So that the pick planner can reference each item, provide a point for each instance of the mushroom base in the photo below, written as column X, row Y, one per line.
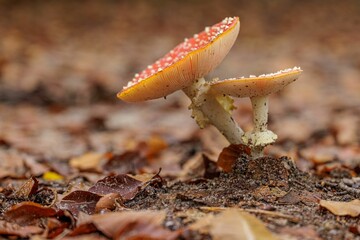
column 259, row 139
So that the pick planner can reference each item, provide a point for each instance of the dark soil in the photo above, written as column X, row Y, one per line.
column 271, row 184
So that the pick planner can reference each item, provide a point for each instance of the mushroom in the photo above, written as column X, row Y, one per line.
column 184, row 68
column 257, row 89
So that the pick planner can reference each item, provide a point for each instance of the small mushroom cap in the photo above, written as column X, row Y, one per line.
column 254, row 86
column 190, row 60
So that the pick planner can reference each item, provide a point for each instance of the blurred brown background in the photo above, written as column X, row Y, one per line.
column 76, row 53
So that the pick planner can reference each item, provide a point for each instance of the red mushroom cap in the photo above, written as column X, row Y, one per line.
column 190, row 60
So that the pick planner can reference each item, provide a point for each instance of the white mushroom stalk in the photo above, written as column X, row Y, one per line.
column 257, row 89
column 207, row 110
column 260, row 137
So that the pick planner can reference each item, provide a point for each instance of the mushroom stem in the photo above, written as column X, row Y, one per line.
column 260, row 136
column 260, row 113
column 207, row 109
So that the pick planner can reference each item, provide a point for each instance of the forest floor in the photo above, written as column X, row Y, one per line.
column 75, row 163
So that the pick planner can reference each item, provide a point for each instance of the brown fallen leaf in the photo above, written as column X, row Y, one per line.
column 88, row 162
column 34, row 166
column 351, row 208
column 320, row 154
column 26, row 213
column 27, row 189
column 11, row 164
column 233, row 224
column 230, row 154
column 107, row 202
column 79, row 200
column 122, row 184
column 132, row 225
column 54, row 227
column 346, row 127
column 13, row 229
column 127, row 162
column 294, row 197
column 94, row 236
column 152, row 146
column 193, row 167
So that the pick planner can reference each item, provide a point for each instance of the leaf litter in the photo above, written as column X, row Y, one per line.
column 49, row 128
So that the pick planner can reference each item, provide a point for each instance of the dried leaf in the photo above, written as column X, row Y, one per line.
column 87, row 162
column 13, row 229
column 234, row 224
column 27, row 189
column 54, row 227
column 153, row 146
column 351, row 208
column 230, row 154
column 128, row 162
column 193, row 167
column 269, row 194
column 122, row 184
column 35, row 167
column 11, row 164
column 107, row 202
column 294, row 197
column 26, row 212
column 133, row 225
column 79, row 201
column 320, row 154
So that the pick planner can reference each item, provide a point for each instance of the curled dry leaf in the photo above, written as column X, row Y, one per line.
column 107, row 202
column 351, row 208
column 27, row 189
column 122, row 184
column 26, row 213
column 133, row 225
column 77, row 201
column 229, row 155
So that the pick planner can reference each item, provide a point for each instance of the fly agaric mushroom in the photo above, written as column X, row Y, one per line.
column 184, row 68
column 257, row 89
